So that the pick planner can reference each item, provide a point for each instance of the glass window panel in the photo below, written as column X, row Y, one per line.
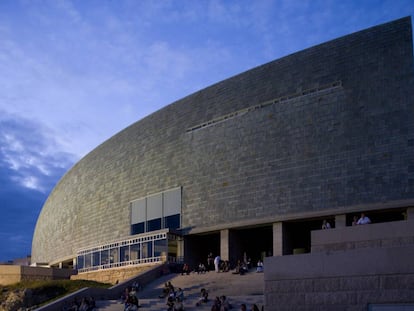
column 124, row 253
column 81, row 262
column 154, row 206
column 138, row 211
column 88, row 260
column 113, row 255
column 104, row 257
column 95, row 259
column 160, row 248
column 172, row 222
column 135, row 251
column 138, row 228
column 154, row 224
column 172, row 202
column 147, row 250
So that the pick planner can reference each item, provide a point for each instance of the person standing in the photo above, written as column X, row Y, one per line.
column 326, row 224
column 217, row 263
column 363, row 220
column 210, row 262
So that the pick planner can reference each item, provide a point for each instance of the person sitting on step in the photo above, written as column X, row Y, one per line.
column 203, row 297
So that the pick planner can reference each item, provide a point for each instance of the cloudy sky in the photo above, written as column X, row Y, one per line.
column 74, row 73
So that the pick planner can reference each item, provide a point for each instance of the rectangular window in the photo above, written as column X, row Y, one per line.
column 154, row 224
column 81, row 262
column 172, row 222
column 104, row 257
column 135, row 252
column 88, row 260
column 138, row 211
column 147, row 250
column 113, row 255
column 156, row 211
column 154, row 206
column 172, row 202
column 138, row 228
column 96, row 259
column 124, row 256
column 160, row 248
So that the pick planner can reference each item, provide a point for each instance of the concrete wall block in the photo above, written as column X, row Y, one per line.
column 385, row 296
column 327, row 284
column 368, row 244
column 287, row 286
column 388, row 282
column 360, row 283
column 284, row 299
column 326, row 298
column 390, row 234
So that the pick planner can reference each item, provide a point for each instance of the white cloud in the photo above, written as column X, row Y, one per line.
column 33, row 160
column 31, row 182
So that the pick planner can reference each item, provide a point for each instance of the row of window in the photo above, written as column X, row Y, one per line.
column 171, row 222
column 129, row 254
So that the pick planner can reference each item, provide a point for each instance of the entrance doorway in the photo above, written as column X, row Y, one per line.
column 252, row 243
column 297, row 235
column 198, row 246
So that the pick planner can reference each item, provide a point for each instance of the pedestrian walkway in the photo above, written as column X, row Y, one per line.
column 247, row 289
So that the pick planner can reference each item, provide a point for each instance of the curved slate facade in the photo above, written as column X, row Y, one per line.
column 326, row 129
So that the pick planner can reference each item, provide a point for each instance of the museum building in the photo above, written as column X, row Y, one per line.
column 250, row 166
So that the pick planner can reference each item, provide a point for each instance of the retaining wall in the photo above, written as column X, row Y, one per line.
column 10, row 274
column 389, row 234
column 341, row 280
column 112, row 276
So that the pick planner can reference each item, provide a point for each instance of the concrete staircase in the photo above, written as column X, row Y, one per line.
column 247, row 289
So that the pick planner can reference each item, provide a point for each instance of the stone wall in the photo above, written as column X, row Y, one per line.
column 113, row 275
column 10, row 274
column 340, row 280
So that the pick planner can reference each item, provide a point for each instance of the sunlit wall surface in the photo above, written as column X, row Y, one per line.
column 324, row 130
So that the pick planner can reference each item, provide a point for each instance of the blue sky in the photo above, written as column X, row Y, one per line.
column 74, row 73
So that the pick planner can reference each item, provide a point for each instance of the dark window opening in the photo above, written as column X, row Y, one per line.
column 153, row 224
column 138, row 228
column 380, row 216
column 172, row 222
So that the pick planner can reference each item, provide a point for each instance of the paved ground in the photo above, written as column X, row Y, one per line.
column 239, row 289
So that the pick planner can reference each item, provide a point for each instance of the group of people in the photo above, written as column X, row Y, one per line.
column 362, row 220
column 174, row 298
column 254, row 308
column 86, row 304
column 201, row 268
column 241, row 267
column 221, row 304
column 130, row 298
column 174, row 304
